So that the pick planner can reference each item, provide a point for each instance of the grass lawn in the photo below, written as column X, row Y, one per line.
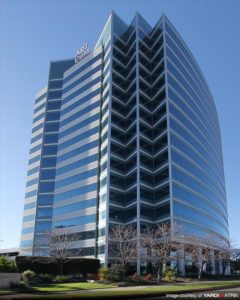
column 146, row 291
column 59, row 287
column 5, row 292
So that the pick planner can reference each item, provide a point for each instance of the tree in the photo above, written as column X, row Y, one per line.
column 7, row 265
column 57, row 246
column 202, row 250
column 159, row 240
column 123, row 245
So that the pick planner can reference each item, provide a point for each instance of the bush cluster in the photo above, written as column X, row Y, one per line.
column 50, row 266
column 7, row 265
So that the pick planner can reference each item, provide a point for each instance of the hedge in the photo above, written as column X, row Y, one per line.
column 49, row 265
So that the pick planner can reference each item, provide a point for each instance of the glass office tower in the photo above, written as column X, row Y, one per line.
column 138, row 142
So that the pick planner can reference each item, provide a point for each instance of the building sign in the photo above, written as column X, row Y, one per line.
column 82, row 52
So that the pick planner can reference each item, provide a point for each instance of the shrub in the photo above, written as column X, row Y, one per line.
column 21, row 285
column 43, row 278
column 7, row 265
column 94, row 277
column 28, row 276
column 135, row 277
column 65, row 278
column 148, row 277
column 49, row 265
column 169, row 274
column 124, row 284
column 103, row 273
column 116, row 273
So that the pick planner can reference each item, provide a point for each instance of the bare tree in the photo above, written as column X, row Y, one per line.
column 57, row 246
column 159, row 241
column 123, row 244
column 201, row 250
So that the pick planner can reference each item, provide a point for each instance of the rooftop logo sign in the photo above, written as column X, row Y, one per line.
column 82, row 52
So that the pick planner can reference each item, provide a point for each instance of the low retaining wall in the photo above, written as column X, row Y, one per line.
column 7, row 278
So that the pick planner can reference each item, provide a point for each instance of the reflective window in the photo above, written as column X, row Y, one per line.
column 74, row 207
column 40, row 98
column 79, row 125
column 54, row 95
column 78, row 138
column 82, row 68
column 46, row 187
column 81, row 90
column 51, row 139
column 32, row 171
column 31, row 194
column 48, row 162
column 80, row 113
column 35, row 148
column 39, row 107
column 38, row 117
column 78, row 151
column 80, row 101
column 76, row 178
column 29, row 205
column 76, row 192
column 53, row 116
column 32, row 182
column 26, row 243
column 52, row 105
column 50, row 150
column 28, row 218
column 36, row 128
column 42, row 227
column 34, row 159
column 47, row 174
column 82, row 78
column 77, row 164
column 45, row 200
column 37, row 137
column 27, row 230
column 55, row 84
column 75, row 221
column 44, row 213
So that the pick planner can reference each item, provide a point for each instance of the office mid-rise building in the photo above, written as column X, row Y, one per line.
column 125, row 134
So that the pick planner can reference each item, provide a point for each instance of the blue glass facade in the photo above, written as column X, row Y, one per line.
column 38, row 208
column 128, row 135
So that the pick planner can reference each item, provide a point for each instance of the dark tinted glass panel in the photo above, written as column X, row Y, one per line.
column 56, row 84
column 44, row 212
column 46, row 187
column 43, row 227
column 50, row 150
column 57, row 68
column 48, row 162
column 89, row 63
column 52, row 127
column 47, row 174
column 54, row 95
column 53, row 116
column 45, row 199
column 50, row 138
column 52, row 105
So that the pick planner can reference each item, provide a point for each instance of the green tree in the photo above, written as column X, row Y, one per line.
column 7, row 265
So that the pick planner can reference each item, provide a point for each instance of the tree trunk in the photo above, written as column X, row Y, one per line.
column 61, row 268
column 159, row 272
column 200, row 273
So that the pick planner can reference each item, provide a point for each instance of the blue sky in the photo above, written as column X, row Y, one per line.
column 35, row 32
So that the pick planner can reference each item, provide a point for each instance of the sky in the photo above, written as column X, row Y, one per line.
column 35, row 32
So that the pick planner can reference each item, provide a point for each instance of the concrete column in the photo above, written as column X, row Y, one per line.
column 181, row 260
column 220, row 265
column 199, row 258
column 212, row 263
column 228, row 269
